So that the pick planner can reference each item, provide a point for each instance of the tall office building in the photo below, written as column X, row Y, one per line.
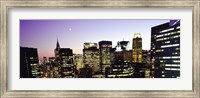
column 91, row 56
column 165, row 49
column 29, row 63
column 137, row 48
column 64, row 59
column 105, row 54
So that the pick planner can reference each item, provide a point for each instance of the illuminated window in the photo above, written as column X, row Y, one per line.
column 166, row 57
column 176, row 61
column 167, row 42
column 177, row 48
column 161, row 50
column 167, row 30
column 173, row 45
column 176, row 36
column 175, row 57
column 167, row 68
column 160, row 35
column 31, row 58
column 159, row 39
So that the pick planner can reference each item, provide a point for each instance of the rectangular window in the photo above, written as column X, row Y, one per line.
column 167, row 30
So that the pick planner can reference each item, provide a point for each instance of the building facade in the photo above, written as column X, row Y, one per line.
column 105, row 48
column 64, row 62
column 29, row 63
column 137, row 48
column 121, row 66
column 165, row 49
column 91, row 57
column 78, row 61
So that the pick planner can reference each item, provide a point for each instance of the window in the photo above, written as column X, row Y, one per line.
column 167, row 30
column 173, row 45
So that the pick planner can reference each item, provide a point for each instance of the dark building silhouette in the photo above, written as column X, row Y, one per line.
column 29, row 63
column 105, row 54
column 121, row 66
column 165, row 49
column 64, row 58
column 86, row 72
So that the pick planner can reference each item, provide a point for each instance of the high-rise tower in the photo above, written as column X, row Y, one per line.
column 137, row 48
column 64, row 59
column 29, row 63
column 165, row 49
column 105, row 52
column 91, row 56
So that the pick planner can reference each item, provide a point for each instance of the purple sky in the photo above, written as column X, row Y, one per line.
column 42, row 34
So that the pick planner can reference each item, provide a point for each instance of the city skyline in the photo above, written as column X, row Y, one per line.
column 106, row 56
column 43, row 34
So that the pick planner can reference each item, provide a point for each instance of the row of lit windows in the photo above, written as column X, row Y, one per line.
column 172, row 68
column 34, row 64
column 171, row 33
column 169, row 57
column 173, row 45
column 166, row 38
column 116, row 69
column 170, row 29
column 173, row 65
column 161, row 50
column 175, row 61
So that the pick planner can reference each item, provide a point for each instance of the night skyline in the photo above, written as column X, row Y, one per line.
column 43, row 34
column 87, row 50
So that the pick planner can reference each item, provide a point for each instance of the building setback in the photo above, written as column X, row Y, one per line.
column 29, row 63
column 165, row 49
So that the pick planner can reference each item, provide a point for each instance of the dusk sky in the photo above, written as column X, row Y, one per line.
column 43, row 34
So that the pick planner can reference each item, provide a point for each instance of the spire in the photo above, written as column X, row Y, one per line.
column 57, row 45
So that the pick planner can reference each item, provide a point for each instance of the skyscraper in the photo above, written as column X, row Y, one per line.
column 137, row 48
column 29, row 63
column 91, row 56
column 105, row 54
column 165, row 49
column 64, row 60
